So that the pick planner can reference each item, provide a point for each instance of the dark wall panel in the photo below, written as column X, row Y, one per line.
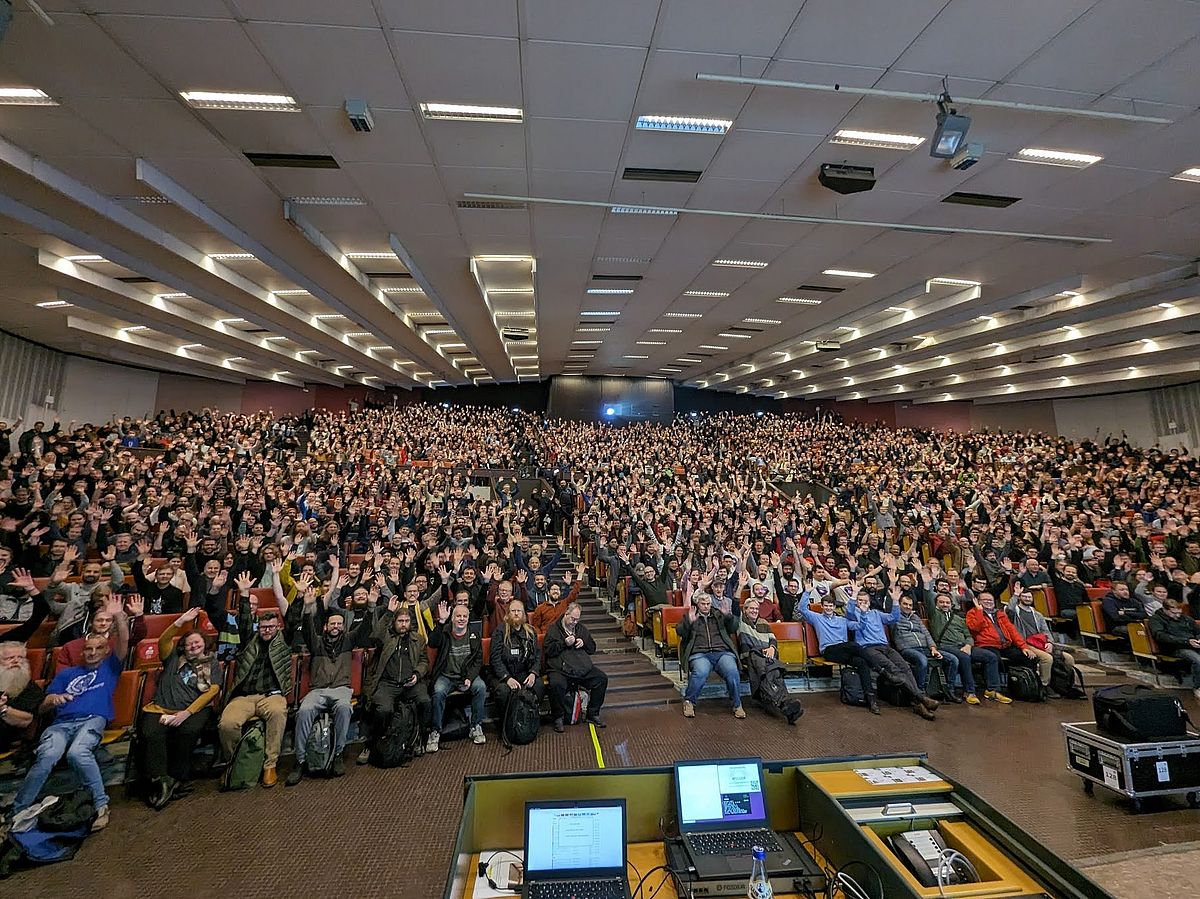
column 630, row 399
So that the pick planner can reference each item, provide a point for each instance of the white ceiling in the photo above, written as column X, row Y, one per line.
column 583, row 73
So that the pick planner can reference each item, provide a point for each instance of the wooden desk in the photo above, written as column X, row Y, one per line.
column 845, row 784
column 645, row 857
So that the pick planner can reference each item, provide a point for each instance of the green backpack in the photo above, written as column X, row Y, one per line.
column 245, row 768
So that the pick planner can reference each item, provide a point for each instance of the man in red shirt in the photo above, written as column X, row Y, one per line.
column 992, row 631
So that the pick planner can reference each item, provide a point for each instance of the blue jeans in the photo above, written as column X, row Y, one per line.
column 444, row 686
column 961, row 662
column 327, row 699
column 77, row 738
column 918, row 660
column 701, row 664
column 1192, row 657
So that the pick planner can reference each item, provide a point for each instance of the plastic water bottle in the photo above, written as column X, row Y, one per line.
column 759, row 886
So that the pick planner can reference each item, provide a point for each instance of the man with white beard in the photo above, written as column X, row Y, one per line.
column 19, row 695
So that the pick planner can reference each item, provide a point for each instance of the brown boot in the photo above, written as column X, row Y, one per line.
column 269, row 779
column 919, row 709
column 929, row 703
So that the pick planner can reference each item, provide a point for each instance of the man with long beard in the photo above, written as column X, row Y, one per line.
column 19, row 695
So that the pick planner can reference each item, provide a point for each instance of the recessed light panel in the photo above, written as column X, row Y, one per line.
column 465, row 112
column 1043, row 156
column 685, row 124
column 240, row 101
column 25, row 96
column 879, row 139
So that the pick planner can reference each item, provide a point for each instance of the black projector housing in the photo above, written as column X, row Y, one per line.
column 846, row 179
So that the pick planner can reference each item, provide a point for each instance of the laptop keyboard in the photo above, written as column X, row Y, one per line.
column 732, row 841
column 576, row 889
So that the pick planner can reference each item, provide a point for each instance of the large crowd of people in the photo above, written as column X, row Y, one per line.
column 330, row 533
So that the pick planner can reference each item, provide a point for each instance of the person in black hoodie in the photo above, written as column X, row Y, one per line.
column 456, row 669
column 569, row 649
column 516, row 658
column 161, row 596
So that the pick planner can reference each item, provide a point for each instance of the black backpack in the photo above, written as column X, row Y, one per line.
column 401, row 740
column 1023, row 684
column 522, row 718
column 318, row 752
column 851, row 691
column 1063, row 680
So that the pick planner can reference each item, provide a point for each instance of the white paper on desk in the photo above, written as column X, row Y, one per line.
column 482, row 889
column 913, row 774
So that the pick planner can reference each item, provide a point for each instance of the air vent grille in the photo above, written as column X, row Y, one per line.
column 687, row 176
column 293, row 160
column 491, row 204
column 993, row 201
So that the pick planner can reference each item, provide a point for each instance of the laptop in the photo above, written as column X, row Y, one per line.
column 575, row 849
column 722, row 812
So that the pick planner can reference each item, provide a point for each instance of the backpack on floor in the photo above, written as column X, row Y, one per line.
column 401, row 740
column 1023, row 684
column 456, row 723
column 577, row 704
column 318, row 752
column 522, row 718
column 1063, row 680
column 851, row 690
column 246, row 766
column 771, row 690
column 935, row 685
column 893, row 692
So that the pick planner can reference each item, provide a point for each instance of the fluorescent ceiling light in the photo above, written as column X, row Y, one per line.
column 465, row 112
column 600, row 314
column 358, row 334
column 712, row 346
column 847, row 273
column 228, row 256
column 503, row 258
column 439, row 331
column 424, row 315
column 635, row 357
column 54, row 304
column 273, row 337
column 592, row 330
column 1056, row 157
column 584, row 342
column 169, row 296
column 952, row 282
column 610, row 291
column 672, row 371
column 740, row 263
column 686, row 124
column 523, row 358
column 644, row 210
column 289, row 293
column 370, row 255
column 1192, row 175
column 452, row 346
column 799, row 301
column 516, row 314
column 650, row 342
column 135, row 328
column 86, row 258
column 683, row 315
column 247, row 102
column 307, row 352
column 25, row 96
column 879, row 139
column 762, row 321
column 192, row 346
column 664, row 331
column 705, row 293
column 327, row 201
column 240, row 359
column 688, row 359
column 404, row 290
column 735, row 336
column 326, row 316
column 231, row 321
column 625, row 260
column 502, row 291
column 378, row 349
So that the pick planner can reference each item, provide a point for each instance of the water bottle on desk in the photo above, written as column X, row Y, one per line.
column 759, row 886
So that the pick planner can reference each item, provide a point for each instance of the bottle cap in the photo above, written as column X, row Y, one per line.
column 759, row 853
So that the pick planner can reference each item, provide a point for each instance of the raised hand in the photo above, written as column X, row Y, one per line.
column 244, row 581
column 135, row 605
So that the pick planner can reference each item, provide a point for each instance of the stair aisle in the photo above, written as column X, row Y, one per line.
column 633, row 679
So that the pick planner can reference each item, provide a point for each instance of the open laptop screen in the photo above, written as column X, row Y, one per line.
column 584, row 838
column 721, row 794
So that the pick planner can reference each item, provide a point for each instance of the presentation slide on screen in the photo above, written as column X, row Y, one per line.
column 726, row 793
column 565, row 839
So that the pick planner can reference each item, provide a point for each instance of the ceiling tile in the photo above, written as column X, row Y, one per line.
column 625, row 22
column 314, row 12
column 875, row 33
column 491, row 17
column 601, row 84
column 575, row 143
column 714, row 26
column 447, row 68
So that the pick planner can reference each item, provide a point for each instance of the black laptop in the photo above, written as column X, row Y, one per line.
column 722, row 812
column 575, row 849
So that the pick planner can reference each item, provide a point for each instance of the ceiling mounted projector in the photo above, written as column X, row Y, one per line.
column 951, row 130
column 846, row 179
column 359, row 114
column 967, row 156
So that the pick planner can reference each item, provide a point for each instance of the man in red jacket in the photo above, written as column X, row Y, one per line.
column 992, row 631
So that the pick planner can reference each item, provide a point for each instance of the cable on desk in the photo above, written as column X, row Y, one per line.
column 847, row 883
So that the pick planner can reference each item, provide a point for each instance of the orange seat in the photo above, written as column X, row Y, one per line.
column 125, row 705
column 156, row 624
column 1045, row 602
column 37, row 661
column 1096, row 592
column 793, row 645
column 1092, row 625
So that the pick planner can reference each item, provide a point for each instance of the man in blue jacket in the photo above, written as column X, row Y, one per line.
column 872, row 640
column 82, row 698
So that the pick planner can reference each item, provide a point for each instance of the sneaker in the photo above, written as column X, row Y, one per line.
column 558, row 726
column 997, row 696
column 477, row 736
column 363, row 757
column 873, row 705
column 27, row 817
column 972, row 699
column 101, row 821
column 689, row 710
column 595, row 721
column 739, row 712
column 431, row 744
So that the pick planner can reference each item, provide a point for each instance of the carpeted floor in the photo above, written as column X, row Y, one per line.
column 389, row 833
